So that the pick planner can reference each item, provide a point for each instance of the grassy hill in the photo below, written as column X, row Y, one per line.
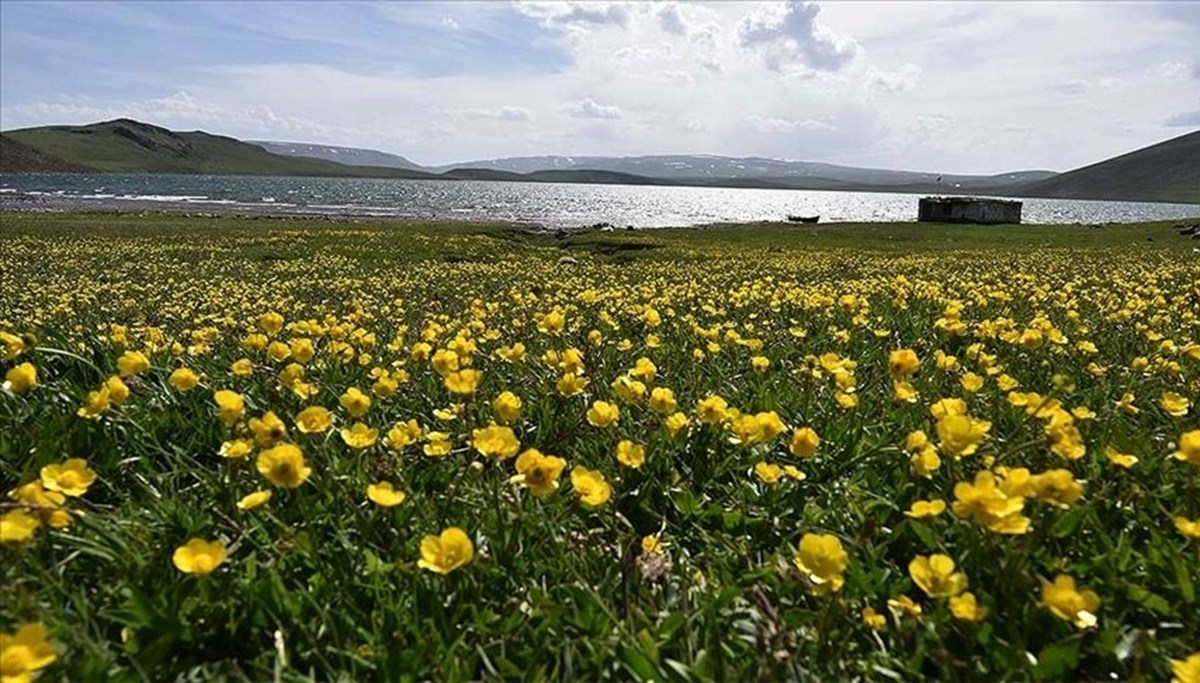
column 1166, row 172
column 16, row 157
column 126, row 146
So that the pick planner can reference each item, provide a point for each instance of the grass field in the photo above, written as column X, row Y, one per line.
column 289, row 449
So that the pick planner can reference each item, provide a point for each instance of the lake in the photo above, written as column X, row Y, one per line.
column 549, row 204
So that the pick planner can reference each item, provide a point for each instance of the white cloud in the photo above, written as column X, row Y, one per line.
column 790, row 34
column 903, row 79
column 590, row 109
column 505, row 113
column 450, row 23
column 575, row 15
column 1189, row 119
column 670, row 18
column 771, row 124
column 1075, row 86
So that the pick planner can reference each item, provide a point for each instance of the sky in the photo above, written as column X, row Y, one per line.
column 952, row 87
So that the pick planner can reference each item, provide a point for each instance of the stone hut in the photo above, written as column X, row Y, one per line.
column 968, row 210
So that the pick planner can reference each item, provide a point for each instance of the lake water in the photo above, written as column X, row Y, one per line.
column 550, row 204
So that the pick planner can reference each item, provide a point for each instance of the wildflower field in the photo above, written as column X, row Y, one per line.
column 286, row 449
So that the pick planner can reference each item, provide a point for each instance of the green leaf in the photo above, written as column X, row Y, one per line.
column 1069, row 521
column 638, row 664
column 1057, row 660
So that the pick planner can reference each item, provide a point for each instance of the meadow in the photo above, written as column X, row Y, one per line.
column 296, row 449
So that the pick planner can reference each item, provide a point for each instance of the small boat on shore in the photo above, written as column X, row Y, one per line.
column 803, row 219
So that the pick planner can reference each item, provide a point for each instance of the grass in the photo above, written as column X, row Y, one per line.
column 322, row 583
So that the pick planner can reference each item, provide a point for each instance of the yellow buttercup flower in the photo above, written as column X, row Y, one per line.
column 662, row 401
column 823, row 561
column 961, row 435
column 359, row 436
column 926, row 509
column 314, row 420
column 238, row 448
column 1187, row 527
column 21, row 378
column 965, row 607
column 603, row 414
column 18, row 526
column 384, row 495
column 768, row 473
column 903, row 362
column 446, row 552
column 199, row 557
column 1119, row 459
column 230, row 406
column 712, row 410
column 118, row 391
column 1070, row 604
column 1186, row 670
column 936, row 576
column 254, row 500
column 267, row 429
column 355, row 402
column 590, row 486
column 132, row 363
column 437, row 444
column 463, row 382
column 630, row 454
column 873, row 620
column 71, row 478
column 184, row 380
column 496, row 442
column 1174, row 404
column 1189, row 447
column 283, row 466
column 507, row 407
column 804, row 443
column 538, row 472
column 25, row 652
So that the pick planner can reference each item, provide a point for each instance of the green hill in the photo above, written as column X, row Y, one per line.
column 127, row 146
column 1166, row 172
column 16, row 157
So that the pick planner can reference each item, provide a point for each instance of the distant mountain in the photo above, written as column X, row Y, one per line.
column 699, row 169
column 127, row 146
column 351, row 156
column 1166, row 172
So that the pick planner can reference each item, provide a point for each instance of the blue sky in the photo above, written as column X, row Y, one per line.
column 961, row 87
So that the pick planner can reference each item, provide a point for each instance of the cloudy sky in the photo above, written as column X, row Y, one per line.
column 954, row 87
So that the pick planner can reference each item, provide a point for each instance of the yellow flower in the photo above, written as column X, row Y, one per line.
column 24, row 652
column 712, row 409
column 662, row 401
column 1189, row 447
column 132, row 363
column 12, row 344
column 1126, row 405
column 71, row 478
column 903, row 362
column 359, row 436
column 1188, row 528
column 283, row 466
column 571, row 384
column 463, row 382
column 538, row 472
column 402, row 434
column 117, row 390
column 675, row 423
column 1174, row 404
column 17, row 526
column 552, row 322
column 603, row 414
column 238, row 448
column 905, row 605
column 653, row 545
column 495, row 442
column 644, row 369
column 987, row 505
column 792, row 472
column 966, row 608
column 507, row 407
column 1056, row 487
column 768, row 473
column 278, row 351
column 905, row 392
column 630, row 454
column 267, row 429
column 446, row 552
column 48, row 504
column 1065, row 602
column 271, row 322
column 926, row 509
column 760, row 363
column 355, row 402
column 314, row 420
column 845, row 401
column 1118, row 458
column 199, row 556
column 437, row 444
column 383, row 495
column 821, row 558
column 1186, row 670
column 590, row 486
column 230, row 406
column 804, row 443
column 95, row 404
column 960, row 435
column 184, row 380
column 21, row 378
column 948, row 406
column 873, row 620
column 971, row 382
column 936, row 576
column 253, row 500
column 750, row 430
